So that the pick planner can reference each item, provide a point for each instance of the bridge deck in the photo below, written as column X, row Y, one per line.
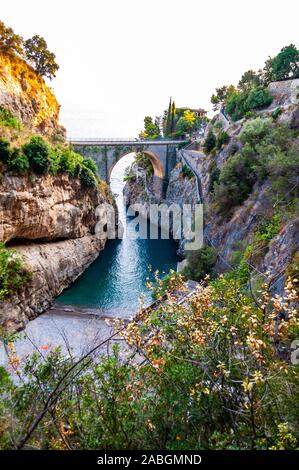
column 131, row 142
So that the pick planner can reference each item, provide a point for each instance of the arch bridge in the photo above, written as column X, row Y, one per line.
column 107, row 152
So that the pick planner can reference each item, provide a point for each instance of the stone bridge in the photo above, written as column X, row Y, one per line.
column 107, row 152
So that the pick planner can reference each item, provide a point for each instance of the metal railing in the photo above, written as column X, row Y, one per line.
column 115, row 141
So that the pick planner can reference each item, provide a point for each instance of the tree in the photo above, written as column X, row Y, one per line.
column 43, row 60
column 284, row 65
column 220, row 97
column 186, row 123
column 38, row 153
column 151, row 129
column 168, row 118
column 9, row 41
column 249, row 79
column 172, row 123
column 210, row 142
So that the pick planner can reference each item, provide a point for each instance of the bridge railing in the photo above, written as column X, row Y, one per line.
column 95, row 139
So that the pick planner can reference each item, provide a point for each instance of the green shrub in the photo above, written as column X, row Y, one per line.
column 214, row 178
column 77, row 170
column 276, row 113
column 7, row 119
column 258, row 98
column 255, row 131
column 222, row 139
column 283, row 172
column 4, row 150
column 210, row 376
column 218, row 125
column 68, row 161
column 187, row 172
column 13, row 274
column 18, row 161
column 90, row 164
column 235, row 183
column 87, row 178
column 240, row 103
column 143, row 161
column 129, row 176
column 268, row 228
column 234, row 148
column 210, row 142
column 38, row 154
column 249, row 115
column 200, row 263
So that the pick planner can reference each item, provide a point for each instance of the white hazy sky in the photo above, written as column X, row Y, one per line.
column 122, row 59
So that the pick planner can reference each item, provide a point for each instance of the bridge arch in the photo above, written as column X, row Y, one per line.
column 154, row 159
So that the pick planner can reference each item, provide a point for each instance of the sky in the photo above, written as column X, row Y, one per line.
column 122, row 59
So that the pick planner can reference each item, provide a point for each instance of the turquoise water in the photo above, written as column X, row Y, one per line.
column 115, row 281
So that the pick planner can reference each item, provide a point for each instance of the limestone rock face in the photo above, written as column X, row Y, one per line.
column 284, row 92
column 54, row 266
column 46, row 208
column 181, row 190
column 51, row 222
column 27, row 96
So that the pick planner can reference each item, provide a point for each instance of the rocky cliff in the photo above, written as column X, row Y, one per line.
column 27, row 96
column 46, row 208
column 48, row 217
column 50, row 221
column 54, row 267
column 231, row 234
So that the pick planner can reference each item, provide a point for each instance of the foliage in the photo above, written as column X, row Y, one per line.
column 200, row 263
column 249, row 80
column 38, row 156
column 7, row 119
column 9, row 41
column 268, row 229
column 186, row 123
column 268, row 153
column 214, row 172
column 90, row 164
column 222, row 139
column 209, row 376
column 241, row 102
column 38, row 153
column 187, row 172
column 4, row 150
column 166, row 285
column 235, row 183
column 13, row 274
column 143, row 161
column 210, row 142
column 255, row 130
column 151, row 129
column 36, row 51
column 251, row 93
column 87, row 178
column 220, row 97
column 18, row 161
column 276, row 113
column 284, row 65
column 293, row 270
